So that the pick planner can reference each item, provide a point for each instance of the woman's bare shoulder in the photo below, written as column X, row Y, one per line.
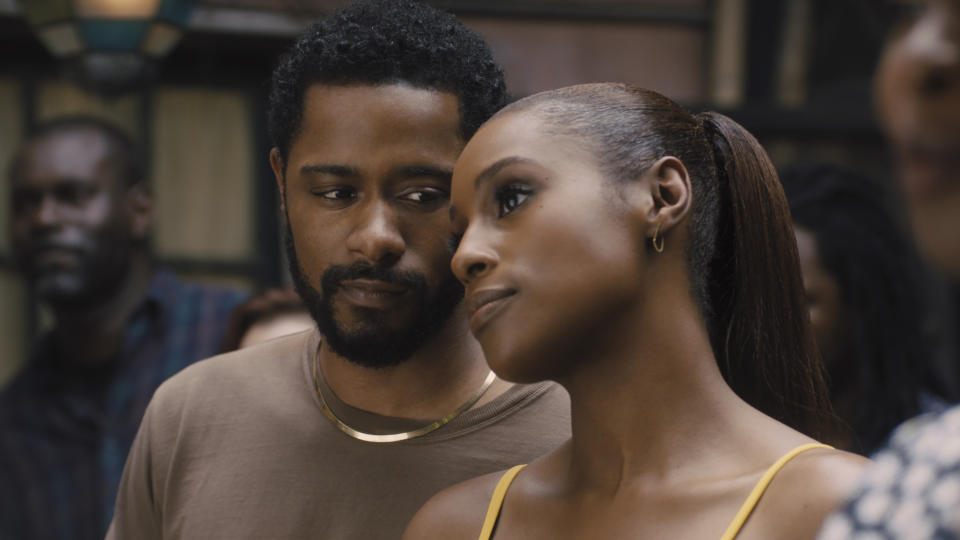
column 806, row 490
column 454, row 513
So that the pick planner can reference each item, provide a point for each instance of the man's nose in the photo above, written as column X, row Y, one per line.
column 48, row 212
column 377, row 235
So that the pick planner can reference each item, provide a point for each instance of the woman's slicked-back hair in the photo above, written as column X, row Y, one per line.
column 742, row 259
column 378, row 42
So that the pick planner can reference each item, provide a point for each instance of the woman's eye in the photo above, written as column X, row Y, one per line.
column 509, row 198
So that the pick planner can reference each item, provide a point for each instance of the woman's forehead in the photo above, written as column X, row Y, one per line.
column 521, row 133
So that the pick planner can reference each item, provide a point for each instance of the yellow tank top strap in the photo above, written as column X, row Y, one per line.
column 493, row 511
column 741, row 518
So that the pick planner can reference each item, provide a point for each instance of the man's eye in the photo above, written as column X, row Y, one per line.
column 337, row 194
column 424, row 195
column 509, row 198
column 73, row 194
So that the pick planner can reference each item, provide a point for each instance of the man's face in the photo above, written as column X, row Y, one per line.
column 71, row 234
column 366, row 195
column 918, row 94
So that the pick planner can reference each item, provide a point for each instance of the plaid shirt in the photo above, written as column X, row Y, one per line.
column 65, row 431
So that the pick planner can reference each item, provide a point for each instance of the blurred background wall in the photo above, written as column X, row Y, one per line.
column 795, row 72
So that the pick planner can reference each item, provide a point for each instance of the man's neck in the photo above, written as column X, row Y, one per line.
column 440, row 376
column 93, row 334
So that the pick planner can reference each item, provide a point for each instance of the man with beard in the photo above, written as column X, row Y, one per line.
column 79, row 222
column 344, row 432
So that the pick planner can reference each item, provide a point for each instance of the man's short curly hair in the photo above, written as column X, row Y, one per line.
column 376, row 42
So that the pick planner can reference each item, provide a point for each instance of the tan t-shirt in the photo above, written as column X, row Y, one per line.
column 237, row 447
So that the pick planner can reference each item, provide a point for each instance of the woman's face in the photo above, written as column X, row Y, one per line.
column 548, row 255
column 825, row 302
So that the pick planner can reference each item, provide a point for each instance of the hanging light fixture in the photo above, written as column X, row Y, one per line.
column 111, row 44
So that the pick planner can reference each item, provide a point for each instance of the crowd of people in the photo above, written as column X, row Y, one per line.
column 587, row 313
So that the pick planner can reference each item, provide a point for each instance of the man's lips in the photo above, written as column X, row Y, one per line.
column 56, row 256
column 482, row 305
column 372, row 293
column 928, row 169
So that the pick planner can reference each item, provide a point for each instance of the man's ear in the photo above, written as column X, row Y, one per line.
column 276, row 163
column 140, row 203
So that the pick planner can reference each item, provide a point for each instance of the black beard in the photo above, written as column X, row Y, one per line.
column 381, row 347
column 104, row 265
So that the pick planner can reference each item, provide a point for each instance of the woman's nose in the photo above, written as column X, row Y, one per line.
column 473, row 258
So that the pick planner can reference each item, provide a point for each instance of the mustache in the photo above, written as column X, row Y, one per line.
column 37, row 247
column 334, row 276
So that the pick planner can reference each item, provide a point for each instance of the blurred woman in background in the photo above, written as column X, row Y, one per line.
column 269, row 314
column 868, row 295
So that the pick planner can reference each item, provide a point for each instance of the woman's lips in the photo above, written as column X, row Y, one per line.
column 484, row 304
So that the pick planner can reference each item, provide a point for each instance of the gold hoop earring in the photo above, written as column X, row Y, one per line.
column 658, row 247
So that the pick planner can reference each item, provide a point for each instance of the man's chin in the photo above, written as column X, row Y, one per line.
column 61, row 289
column 371, row 351
column 365, row 339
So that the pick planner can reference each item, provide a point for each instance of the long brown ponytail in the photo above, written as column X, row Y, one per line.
column 762, row 338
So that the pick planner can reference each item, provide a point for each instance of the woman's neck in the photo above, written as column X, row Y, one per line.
column 650, row 398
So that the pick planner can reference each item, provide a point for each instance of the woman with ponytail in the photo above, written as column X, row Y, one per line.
column 643, row 257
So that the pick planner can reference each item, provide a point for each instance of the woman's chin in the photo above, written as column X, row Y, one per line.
column 514, row 366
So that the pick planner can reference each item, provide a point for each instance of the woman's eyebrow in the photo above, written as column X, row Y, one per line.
column 487, row 174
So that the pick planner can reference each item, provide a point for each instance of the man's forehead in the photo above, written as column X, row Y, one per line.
column 353, row 125
column 343, row 100
column 74, row 153
column 69, row 144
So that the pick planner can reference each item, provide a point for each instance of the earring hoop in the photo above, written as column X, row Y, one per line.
column 657, row 246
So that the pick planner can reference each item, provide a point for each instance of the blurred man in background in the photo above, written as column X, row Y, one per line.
column 913, row 490
column 918, row 98
column 80, row 223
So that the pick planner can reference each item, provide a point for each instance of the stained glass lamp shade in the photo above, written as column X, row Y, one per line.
column 112, row 39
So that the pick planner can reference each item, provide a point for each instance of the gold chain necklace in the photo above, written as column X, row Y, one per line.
column 393, row 437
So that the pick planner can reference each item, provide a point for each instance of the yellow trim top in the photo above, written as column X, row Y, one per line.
column 741, row 518
column 493, row 511
column 500, row 492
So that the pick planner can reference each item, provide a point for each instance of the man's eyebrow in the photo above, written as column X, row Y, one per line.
column 417, row 171
column 487, row 174
column 334, row 170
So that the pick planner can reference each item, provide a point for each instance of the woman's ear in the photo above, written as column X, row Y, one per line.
column 660, row 199
column 669, row 184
